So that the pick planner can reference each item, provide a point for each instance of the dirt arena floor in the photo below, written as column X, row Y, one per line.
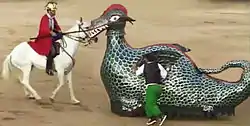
column 215, row 30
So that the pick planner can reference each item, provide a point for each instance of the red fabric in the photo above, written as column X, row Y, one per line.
column 43, row 45
column 116, row 6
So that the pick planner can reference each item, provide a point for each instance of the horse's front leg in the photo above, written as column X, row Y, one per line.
column 71, row 90
column 60, row 75
column 28, row 94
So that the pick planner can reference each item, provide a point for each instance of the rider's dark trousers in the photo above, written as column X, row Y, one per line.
column 53, row 51
column 51, row 57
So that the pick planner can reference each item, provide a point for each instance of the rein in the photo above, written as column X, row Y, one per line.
column 78, row 39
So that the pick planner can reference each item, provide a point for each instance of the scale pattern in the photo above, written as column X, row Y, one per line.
column 186, row 87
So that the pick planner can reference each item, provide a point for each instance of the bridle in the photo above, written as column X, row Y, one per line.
column 85, row 40
column 76, row 38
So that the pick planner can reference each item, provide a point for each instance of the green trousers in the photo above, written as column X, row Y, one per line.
column 153, row 92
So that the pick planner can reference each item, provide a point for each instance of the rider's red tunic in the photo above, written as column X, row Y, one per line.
column 43, row 45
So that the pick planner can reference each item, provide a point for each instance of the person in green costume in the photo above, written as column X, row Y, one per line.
column 154, row 73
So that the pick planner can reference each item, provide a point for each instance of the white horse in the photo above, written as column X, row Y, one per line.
column 24, row 58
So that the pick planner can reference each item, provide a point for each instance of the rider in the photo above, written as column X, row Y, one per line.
column 49, row 33
column 153, row 73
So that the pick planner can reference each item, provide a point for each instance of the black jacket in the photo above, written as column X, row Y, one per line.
column 152, row 73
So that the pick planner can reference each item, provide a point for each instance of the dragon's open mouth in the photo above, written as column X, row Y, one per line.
column 95, row 31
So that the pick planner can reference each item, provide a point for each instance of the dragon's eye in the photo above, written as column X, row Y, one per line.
column 114, row 18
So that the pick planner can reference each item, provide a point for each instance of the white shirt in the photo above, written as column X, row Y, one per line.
column 51, row 21
column 140, row 70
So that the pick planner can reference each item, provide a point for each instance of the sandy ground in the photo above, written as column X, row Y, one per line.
column 215, row 30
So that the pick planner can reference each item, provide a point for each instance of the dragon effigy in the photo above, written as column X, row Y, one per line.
column 187, row 88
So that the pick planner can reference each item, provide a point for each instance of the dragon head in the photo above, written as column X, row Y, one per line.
column 113, row 18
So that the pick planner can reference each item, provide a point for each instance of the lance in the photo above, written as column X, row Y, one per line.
column 65, row 33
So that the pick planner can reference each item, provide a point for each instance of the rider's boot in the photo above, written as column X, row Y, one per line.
column 49, row 65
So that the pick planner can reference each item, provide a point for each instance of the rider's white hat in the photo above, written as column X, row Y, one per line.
column 51, row 6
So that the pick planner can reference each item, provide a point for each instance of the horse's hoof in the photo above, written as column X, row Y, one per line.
column 30, row 97
column 51, row 100
column 76, row 103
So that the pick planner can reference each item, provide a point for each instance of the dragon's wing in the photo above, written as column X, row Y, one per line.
column 165, row 57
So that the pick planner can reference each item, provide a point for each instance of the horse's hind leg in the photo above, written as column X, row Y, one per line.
column 26, row 91
column 25, row 81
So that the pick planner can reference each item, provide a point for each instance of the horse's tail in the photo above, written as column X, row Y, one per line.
column 6, row 68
